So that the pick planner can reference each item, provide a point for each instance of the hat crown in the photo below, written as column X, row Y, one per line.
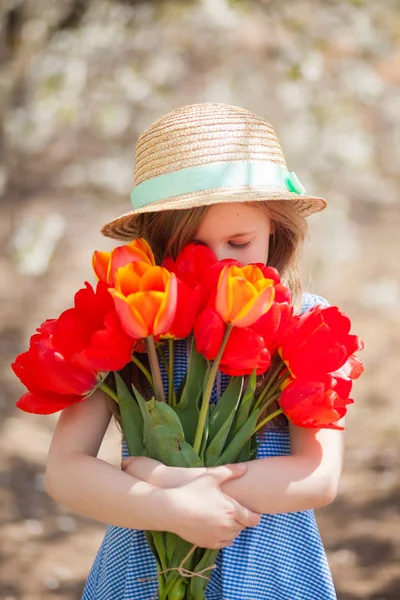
column 202, row 134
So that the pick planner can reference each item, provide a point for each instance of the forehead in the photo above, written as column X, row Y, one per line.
column 232, row 218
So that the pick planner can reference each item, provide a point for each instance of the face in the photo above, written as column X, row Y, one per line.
column 236, row 230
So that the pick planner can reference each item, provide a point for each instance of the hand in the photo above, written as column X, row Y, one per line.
column 157, row 474
column 203, row 515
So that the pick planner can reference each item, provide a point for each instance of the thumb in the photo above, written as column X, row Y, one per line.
column 125, row 462
column 231, row 471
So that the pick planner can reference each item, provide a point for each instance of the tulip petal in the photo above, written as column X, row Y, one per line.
column 209, row 331
column 46, row 404
column 100, row 262
column 120, row 257
column 223, row 300
column 131, row 320
column 244, row 352
column 256, row 307
column 105, row 264
column 167, row 311
column 143, row 246
column 128, row 278
column 187, row 309
column 154, row 279
column 312, row 404
column 110, row 348
column 242, row 296
column 352, row 369
column 318, row 342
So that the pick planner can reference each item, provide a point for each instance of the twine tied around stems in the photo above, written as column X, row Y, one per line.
column 181, row 570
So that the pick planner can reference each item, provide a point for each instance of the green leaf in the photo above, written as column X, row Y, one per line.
column 170, row 546
column 221, row 421
column 231, row 453
column 150, row 541
column 175, row 585
column 197, row 369
column 163, row 435
column 159, row 544
column 181, row 387
column 245, row 453
column 249, row 450
column 205, row 438
column 199, row 584
column 246, row 404
column 132, row 420
column 187, row 408
column 254, row 446
column 225, row 405
column 254, row 451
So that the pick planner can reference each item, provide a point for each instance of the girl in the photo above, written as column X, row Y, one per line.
column 216, row 175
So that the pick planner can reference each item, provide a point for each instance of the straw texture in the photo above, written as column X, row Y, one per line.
column 202, row 134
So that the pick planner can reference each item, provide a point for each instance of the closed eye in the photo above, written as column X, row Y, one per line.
column 239, row 246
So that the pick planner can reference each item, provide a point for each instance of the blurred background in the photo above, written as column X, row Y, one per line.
column 79, row 81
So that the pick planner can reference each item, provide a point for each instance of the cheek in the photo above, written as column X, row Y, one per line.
column 255, row 253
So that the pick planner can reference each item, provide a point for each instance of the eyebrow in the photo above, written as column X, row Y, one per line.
column 236, row 235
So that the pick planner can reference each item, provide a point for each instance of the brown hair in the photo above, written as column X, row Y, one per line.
column 169, row 231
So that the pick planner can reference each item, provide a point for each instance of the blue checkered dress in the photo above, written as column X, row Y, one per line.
column 280, row 559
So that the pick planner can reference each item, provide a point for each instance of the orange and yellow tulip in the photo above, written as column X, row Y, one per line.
column 145, row 298
column 106, row 264
column 244, row 294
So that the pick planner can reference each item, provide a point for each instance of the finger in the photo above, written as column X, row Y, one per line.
column 246, row 517
column 235, row 531
column 225, row 544
column 225, row 472
column 126, row 462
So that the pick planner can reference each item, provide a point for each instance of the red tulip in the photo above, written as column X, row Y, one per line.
column 318, row 342
column 191, row 264
column 314, row 404
column 191, row 267
column 68, row 357
column 245, row 349
column 352, row 369
column 272, row 326
column 187, row 309
column 106, row 264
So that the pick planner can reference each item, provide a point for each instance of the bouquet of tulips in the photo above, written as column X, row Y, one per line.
column 239, row 321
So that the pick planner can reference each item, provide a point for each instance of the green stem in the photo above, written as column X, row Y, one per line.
column 155, row 369
column 171, row 390
column 207, row 392
column 103, row 386
column 268, row 385
column 267, row 419
column 275, row 382
column 141, row 366
column 270, row 401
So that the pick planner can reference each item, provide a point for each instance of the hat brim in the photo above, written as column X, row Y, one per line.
column 125, row 226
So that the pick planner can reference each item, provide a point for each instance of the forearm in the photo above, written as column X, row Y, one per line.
column 282, row 484
column 98, row 490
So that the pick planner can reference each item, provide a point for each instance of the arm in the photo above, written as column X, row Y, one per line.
column 308, row 478
column 199, row 512
column 79, row 480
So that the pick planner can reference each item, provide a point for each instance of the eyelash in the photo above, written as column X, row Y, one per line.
column 239, row 246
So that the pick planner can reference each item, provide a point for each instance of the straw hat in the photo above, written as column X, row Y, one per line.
column 208, row 154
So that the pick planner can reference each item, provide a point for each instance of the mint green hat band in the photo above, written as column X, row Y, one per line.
column 214, row 176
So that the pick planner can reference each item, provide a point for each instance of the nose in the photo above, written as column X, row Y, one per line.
column 221, row 252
